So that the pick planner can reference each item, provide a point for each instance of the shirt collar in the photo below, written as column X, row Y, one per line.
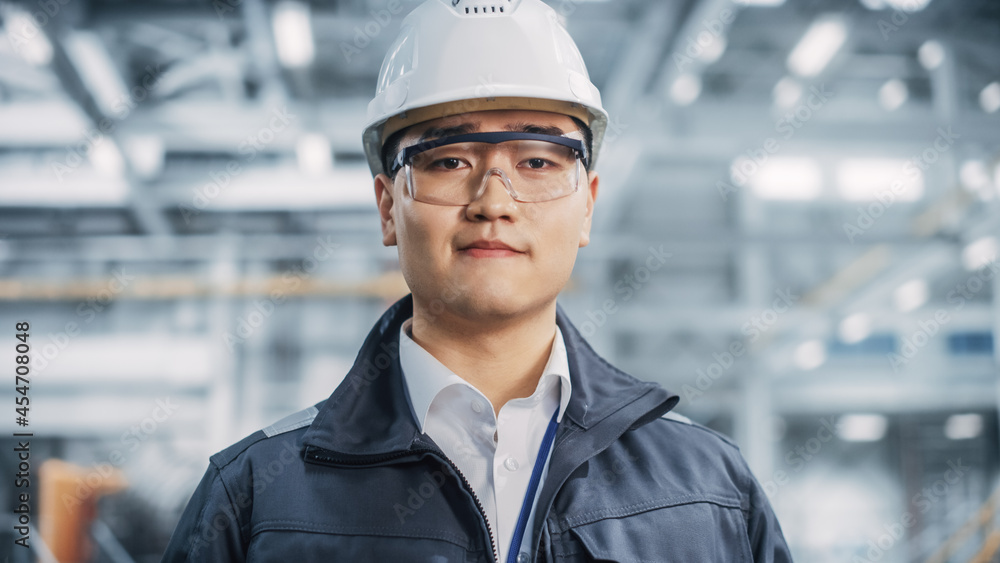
column 369, row 413
column 426, row 377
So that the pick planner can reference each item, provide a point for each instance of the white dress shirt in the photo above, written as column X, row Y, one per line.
column 495, row 453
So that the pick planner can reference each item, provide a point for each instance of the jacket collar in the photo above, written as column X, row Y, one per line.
column 369, row 413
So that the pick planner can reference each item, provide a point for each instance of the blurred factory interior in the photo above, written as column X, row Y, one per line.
column 796, row 231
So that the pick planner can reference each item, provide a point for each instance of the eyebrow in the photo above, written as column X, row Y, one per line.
column 438, row 132
column 473, row 127
column 524, row 127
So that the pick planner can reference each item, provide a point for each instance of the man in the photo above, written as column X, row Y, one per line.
column 476, row 423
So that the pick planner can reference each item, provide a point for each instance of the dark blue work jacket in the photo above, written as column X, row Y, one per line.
column 352, row 479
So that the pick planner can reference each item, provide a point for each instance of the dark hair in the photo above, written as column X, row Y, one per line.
column 588, row 139
column 391, row 146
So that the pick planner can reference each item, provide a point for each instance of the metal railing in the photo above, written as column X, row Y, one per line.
column 982, row 520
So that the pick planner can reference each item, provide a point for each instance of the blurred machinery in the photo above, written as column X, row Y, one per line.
column 68, row 507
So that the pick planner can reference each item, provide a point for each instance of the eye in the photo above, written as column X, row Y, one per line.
column 437, row 164
column 537, row 163
column 448, row 163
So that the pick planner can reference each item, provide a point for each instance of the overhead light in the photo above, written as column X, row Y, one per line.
column 760, row 3
column 931, row 54
column 855, row 328
column 711, row 52
column 293, row 34
column 862, row 427
column 989, row 97
column 975, row 178
column 24, row 36
column 159, row 357
column 146, row 154
column 83, row 186
column 907, row 5
column 893, row 94
column 685, row 89
column 818, row 46
column 97, row 71
column 107, row 159
column 810, row 355
column 787, row 178
column 901, row 5
column 254, row 189
column 866, row 179
column 974, row 175
column 787, row 92
column 314, row 154
column 963, row 426
column 979, row 253
column 85, row 190
column 911, row 295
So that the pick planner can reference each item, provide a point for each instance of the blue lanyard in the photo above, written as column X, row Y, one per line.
column 529, row 496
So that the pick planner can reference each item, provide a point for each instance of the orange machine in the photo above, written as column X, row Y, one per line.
column 68, row 505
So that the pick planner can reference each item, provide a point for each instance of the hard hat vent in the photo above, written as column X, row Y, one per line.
column 474, row 8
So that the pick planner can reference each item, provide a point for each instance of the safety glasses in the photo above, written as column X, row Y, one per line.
column 455, row 170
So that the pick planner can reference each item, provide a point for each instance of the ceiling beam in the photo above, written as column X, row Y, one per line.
column 147, row 216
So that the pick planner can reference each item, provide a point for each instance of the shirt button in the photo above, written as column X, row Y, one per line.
column 477, row 407
column 523, row 557
column 511, row 464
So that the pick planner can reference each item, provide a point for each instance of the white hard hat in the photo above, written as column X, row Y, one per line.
column 454, row 56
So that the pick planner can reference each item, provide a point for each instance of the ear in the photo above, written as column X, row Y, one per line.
column 594, row 180
column 384, row 199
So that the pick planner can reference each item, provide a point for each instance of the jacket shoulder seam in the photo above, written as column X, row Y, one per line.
column 291, row 422
column 236, row 517
column 681, row 419
column 223, row 458
column 201, row 515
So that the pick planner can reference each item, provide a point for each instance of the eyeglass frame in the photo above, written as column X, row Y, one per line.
column 404, row 156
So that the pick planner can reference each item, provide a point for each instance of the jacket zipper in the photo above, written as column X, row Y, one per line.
column 437, row 453
column 479, row 505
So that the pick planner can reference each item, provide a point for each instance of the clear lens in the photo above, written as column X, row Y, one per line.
column 456, row 174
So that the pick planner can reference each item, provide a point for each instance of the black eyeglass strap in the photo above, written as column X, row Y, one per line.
column 491, row 137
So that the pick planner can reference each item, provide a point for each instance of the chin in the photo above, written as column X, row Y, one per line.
column 488, row 296
column 503, row 305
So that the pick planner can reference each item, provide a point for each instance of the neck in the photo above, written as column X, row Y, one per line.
column 501, row 358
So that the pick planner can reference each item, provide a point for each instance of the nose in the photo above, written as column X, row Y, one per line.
column 493, row 200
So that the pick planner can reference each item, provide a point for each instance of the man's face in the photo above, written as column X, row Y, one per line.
column 434, row 240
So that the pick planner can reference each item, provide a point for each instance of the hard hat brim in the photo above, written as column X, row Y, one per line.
column 399, row 122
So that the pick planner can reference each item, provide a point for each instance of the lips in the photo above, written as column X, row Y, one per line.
column 489, row 249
